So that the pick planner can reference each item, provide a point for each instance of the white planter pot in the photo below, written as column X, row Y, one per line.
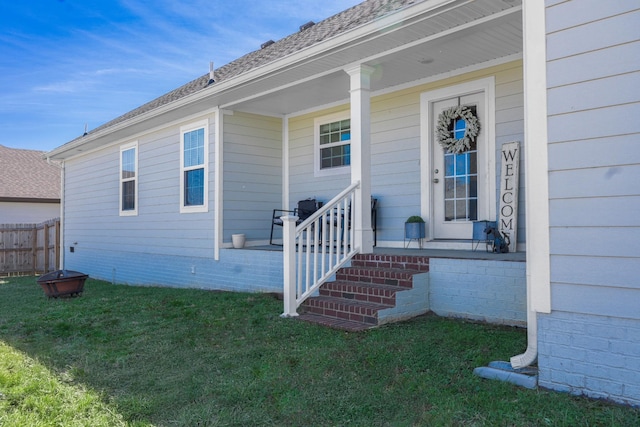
column 238, row 240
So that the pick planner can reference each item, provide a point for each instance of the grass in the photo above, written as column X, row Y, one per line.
column 137, row 356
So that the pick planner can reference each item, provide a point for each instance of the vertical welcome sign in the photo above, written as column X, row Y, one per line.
column 508, row 215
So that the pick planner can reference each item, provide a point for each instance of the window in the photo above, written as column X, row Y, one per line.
column 193, row 167
column 332, row 144
column 128, row 179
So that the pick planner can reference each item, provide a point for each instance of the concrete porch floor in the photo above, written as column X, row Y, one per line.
column 480, row 253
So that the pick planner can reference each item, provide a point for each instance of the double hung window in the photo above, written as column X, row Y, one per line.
column 332, row 144
column 194, row 167
column 129, row 179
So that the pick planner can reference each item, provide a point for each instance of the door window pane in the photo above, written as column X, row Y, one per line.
column 461, row 186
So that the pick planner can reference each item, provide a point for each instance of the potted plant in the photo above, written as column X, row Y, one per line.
column 414, row 228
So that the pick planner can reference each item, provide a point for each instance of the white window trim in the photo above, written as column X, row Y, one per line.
column 202, row 124
column 133, row 212
column 317, row 171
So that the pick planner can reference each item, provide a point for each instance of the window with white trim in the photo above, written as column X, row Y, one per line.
column 332, row 135
column 194, row 160
column 129, row 179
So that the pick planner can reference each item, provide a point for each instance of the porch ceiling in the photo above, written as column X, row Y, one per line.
column 474, row 33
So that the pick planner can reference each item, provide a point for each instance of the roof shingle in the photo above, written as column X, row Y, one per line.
column 24, row 174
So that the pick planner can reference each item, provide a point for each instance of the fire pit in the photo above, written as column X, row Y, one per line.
column 62, row 283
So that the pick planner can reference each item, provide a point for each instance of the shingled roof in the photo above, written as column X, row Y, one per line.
column 24, row 174
column 353, row 17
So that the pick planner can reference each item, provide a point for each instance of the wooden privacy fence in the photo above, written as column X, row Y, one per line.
column 29, row 248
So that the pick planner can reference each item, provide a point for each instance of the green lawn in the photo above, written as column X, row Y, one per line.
column 137, row 356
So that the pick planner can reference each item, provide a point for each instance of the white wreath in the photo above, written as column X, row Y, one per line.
column 444, row 129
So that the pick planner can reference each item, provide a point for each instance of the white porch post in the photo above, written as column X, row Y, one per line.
column 289, row 255
column 219, row 165
column 361, row 153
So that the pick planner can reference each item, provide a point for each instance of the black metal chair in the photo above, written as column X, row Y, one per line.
column 305, row 209
column 374, row 219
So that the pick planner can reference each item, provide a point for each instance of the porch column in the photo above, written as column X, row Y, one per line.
column 361, row 153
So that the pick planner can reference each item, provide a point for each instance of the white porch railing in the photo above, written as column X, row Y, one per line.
column 317, row 248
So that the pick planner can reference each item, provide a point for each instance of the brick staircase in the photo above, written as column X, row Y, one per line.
column 360, row 292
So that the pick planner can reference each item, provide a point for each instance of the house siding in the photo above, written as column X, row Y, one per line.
column 252, row 173
column 234, row 271
column 395, row 148
column 482, row 290
column 92, row 222
column 161, row 246
column 28, row 213
column 590, row 342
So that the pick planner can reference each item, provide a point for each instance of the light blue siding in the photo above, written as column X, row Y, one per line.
column 252, row 174
column 580, row 34
column 590, row 354
column 588, row 344
column 488, row 291
column 235, row 271
column 615, row 60
column 91, row 219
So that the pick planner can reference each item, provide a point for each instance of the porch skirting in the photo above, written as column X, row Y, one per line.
column 238, row 270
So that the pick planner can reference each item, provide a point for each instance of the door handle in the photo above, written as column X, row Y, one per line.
column 436, row 180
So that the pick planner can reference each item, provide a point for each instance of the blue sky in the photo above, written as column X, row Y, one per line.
column 64, row 63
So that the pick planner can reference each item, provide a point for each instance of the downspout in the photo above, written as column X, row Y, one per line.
column 531, row 353
column 536, row 178
column 516, row 371
column 62, row 181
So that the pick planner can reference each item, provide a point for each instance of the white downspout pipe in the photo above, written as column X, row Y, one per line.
column 62, row 183
column 536, row 177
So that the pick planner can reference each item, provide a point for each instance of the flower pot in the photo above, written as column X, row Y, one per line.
column 238, row 241
column 414, row 230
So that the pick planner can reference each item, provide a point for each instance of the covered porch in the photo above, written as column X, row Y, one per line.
column 381, row 86
column 386, row 84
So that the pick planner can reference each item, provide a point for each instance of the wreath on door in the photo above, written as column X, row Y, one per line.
column 445, row 129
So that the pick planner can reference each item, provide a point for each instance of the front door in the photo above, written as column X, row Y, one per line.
column 459, row 190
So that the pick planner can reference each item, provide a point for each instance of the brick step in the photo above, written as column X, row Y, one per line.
column 353, row 300
column 413, row 263
column 374, row 275
column 358, row 291
column 334, row 323
column 344, row 309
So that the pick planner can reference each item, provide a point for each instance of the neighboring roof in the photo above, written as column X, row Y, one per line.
column 358, row 15
column 24, row 174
